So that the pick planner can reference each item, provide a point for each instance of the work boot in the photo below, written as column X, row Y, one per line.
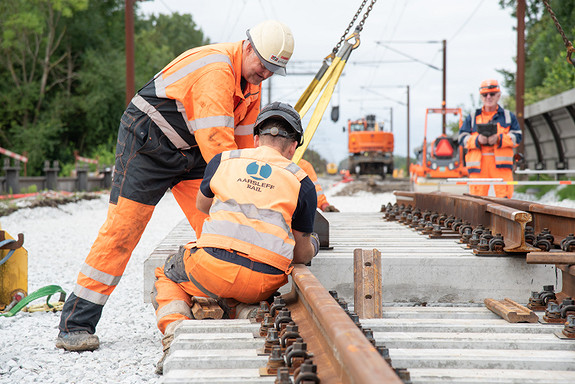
column 166, row 343
column 246, row 311
column 77, row 341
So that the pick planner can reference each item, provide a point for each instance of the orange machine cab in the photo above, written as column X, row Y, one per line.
column 370, row 147
column 441, row 158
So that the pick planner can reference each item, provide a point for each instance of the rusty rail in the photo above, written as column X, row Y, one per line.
column 560, row 221
column 341, row 351
column 510, row 218
column 507, row 221
column 511, row 311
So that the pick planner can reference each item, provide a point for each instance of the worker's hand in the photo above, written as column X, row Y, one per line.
column 492, row 140
column 482, row 139
column 314, row 239
column 330, row 208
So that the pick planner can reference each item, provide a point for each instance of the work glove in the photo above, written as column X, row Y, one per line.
column 314, row 238
column 330, row 208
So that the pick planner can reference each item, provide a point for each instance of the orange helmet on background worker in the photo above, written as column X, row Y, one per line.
column 273, row 43
column 488, row 86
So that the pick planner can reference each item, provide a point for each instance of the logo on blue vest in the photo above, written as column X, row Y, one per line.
column 259, row 172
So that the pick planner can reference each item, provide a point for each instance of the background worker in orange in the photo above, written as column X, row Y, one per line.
column 204, row 102
column 490, row 157
column 321, row 199
column 261, row 213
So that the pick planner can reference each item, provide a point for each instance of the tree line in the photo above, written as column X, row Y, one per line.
column 62, row 73
column 547, row 72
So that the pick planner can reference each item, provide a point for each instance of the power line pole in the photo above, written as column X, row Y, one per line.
column 408, row 156
column 520, row 80
column 129, row 32
column 444, row 101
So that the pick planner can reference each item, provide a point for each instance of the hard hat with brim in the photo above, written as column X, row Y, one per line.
column 488, row 86
column 285, row 112
column 273, row 44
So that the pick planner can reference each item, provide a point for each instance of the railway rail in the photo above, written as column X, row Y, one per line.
column 467, row 337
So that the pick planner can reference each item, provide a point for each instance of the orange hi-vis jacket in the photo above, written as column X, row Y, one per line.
column 197, row 100
column 255, row 196
column 509, row 135
column 308, row 168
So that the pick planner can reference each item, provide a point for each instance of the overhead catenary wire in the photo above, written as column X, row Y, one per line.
column 327, row 77
column 464, row 24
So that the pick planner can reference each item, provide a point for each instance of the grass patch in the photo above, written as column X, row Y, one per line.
column 541, row 189
column 567, row 192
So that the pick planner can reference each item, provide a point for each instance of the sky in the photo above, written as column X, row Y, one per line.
column 400, row 46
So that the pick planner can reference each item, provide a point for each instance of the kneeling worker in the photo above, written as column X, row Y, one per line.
column 261, row 210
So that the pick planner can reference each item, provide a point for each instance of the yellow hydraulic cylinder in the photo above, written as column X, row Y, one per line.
column 13, row 273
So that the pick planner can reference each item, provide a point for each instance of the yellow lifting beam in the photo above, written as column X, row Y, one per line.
column 327, row 77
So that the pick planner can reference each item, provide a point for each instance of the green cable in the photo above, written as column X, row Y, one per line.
column 48, row 290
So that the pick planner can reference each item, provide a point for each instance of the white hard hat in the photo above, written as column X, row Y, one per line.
column 273, row 43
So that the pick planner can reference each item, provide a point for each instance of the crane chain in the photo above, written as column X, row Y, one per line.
column 358, row 28
column 566, row 41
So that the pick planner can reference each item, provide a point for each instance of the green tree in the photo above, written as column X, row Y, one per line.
column 62, row 72
column 547, row 72
column 35, row 67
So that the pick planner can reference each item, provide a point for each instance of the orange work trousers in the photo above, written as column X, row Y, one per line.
column 221, row 278
column 146, row 166
column 121, row 233
column 489, row 170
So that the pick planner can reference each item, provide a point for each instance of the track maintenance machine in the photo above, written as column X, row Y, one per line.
column 370, row 147
column 439, row 159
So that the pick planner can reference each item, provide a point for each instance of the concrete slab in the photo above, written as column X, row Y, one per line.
column 488, row 376
column 483, row 359
column 211, row 376
column 415, row 268
column 440, row 340
column 457, row 326
column 455, row 344
column 457, row 348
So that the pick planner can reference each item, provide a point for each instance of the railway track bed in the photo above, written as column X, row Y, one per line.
column 435, row 344
column 434, row 327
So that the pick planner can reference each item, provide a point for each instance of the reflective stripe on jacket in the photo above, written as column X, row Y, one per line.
column 255, row 196
column 509, row 134
column 197, row 100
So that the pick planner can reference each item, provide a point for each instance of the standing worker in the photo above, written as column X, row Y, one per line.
column 321, row 198
column 261, row 213
column 490, row 156
column 204, row 102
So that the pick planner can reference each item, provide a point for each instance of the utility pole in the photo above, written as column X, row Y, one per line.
column 444, row 69
column 129, row 31
column 408, row 156
column 443, row 102
column 520, row 79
